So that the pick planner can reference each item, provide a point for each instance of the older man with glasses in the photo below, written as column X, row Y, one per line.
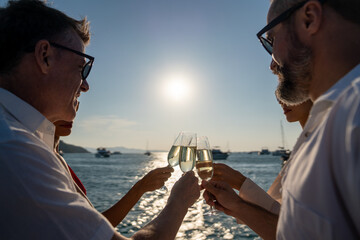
column 43, row 70
column 315, row 51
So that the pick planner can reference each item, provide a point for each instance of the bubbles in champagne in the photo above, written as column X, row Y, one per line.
column 173, row 156
column 204, row 164
column 204, row 170
column 204, row 155
column 187, row 158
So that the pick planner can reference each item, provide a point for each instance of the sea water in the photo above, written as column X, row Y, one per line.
column 108, row 179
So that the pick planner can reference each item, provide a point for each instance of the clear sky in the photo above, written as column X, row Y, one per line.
column 163, row 66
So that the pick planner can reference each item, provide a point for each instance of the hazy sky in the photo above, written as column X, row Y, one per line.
column 163, row 66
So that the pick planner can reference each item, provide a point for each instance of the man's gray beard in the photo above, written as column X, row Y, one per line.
column 295, row 76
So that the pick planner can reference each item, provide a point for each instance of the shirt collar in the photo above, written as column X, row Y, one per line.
column 334, row 92
column 326, row 100
column 28, row 116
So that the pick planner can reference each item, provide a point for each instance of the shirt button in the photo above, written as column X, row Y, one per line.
column 307, row 134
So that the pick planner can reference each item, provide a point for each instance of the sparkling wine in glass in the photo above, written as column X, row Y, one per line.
column 173, row 156
column 204, row 162
column 175, row 152
column 187, row 153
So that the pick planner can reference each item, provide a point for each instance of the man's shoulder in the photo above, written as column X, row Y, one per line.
column 343, row 122
column 355, row 84
column 349, row 100
column 15, row 135
column 12, row 130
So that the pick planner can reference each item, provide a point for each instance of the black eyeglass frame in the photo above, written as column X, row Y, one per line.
column 282, row 17
column 88, row 65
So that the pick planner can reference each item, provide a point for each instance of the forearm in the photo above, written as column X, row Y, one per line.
column 274, row 190
column 258, row 219
column 224, row 173
column 239, row 181
column 252, row 193
column 118, row 211
column 166, row 225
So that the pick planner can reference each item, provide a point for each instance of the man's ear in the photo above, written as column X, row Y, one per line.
column 311, row 18
column 43, row 54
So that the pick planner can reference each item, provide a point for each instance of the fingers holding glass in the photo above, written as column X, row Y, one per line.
column 204, row 163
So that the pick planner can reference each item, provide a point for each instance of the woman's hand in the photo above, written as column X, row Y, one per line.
column 226, row 174
column 185, row 191
column 221, row 196
column 155, row 179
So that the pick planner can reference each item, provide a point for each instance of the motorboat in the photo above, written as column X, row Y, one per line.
column 218, row 154
column 280, row 152
column 283, row 153
column 102, row 152
column 264, row 151
column 285, row 156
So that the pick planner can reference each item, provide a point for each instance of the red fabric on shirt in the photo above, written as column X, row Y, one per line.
column 77, row 180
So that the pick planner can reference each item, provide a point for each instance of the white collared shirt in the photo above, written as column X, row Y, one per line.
column 321, row 186
column 38, row 198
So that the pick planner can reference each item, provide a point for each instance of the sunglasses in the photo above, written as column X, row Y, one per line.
column 88, row 65
column 267, row 44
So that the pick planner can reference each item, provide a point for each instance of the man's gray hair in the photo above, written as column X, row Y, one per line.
column 348, row 9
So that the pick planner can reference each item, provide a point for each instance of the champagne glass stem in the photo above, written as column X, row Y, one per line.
column 204, row 163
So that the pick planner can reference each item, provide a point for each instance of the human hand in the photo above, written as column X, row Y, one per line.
column 224, row 173
column 221, row 196
column 155, row 179
column 186, row 190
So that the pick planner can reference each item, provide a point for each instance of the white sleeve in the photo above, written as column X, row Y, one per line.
column 346, row 156
column 352, row 175
column 252, row 193
column 352, row 179
column 38, row 199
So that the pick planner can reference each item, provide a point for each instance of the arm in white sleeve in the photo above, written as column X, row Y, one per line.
column 252, row 193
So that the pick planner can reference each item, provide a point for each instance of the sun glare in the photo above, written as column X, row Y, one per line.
column 178, row 88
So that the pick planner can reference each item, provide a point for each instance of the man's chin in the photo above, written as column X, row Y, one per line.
column 290, row 98
column 69, row 116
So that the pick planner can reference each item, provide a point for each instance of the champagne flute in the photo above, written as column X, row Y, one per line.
column 174, row 153
column 187, row 153
column 204, row 162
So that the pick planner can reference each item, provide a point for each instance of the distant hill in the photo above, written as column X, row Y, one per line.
column 68, row 148
column 123, row 150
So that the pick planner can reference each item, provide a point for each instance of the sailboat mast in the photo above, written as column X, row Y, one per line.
column 282, row 134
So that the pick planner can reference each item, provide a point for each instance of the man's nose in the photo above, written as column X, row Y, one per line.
column 273, row 65
column 84, row 86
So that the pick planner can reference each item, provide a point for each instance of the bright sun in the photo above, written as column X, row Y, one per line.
column 178, row 88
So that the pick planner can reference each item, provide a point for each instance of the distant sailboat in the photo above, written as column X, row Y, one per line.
column 147, row 152
column 228, row 148
column 282, row 152
column 264, row 151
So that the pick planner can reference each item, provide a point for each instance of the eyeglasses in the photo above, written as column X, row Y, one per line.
column 87, row 67
column 267, row 44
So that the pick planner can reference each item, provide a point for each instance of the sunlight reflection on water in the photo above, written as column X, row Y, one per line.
column 194, row 225
column 108, row 180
